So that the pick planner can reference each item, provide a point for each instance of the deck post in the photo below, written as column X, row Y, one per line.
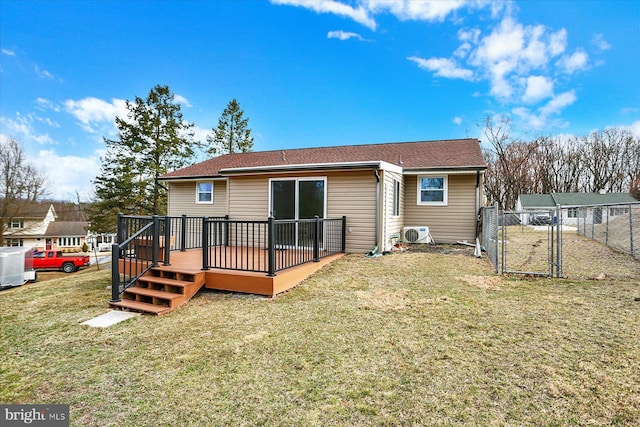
column 115, row 271
column 205, row 243
column 271, row 247
column 120, row 233
column 155, row 247
column 167, row 241
column 316, row 239
column 183, row 233
column 344, row 234
column 226, row 230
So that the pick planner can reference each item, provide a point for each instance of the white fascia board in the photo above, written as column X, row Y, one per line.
column 443, row 172
column 302, row 167
column 391, row 167
column 193, row 178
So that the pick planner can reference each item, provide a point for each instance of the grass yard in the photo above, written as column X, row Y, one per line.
column 406, row 339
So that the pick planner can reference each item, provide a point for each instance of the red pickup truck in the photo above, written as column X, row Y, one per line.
column 55, row 260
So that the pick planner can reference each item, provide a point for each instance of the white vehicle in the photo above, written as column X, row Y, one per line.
column 16, row 267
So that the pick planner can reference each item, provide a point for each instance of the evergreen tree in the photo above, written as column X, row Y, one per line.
column 231, row 135
column 152, row 140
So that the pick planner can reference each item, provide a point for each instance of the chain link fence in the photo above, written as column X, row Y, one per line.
column 576, row 242
column 601, row 241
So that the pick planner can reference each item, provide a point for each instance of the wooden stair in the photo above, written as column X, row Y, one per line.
column 160, row 290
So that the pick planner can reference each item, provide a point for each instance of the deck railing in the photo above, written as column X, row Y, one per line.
column 272, row 245
column 259, row 246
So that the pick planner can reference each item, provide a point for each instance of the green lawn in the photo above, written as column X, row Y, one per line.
column 406, row 339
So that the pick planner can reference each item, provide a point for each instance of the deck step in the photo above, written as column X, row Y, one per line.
column 140, row 307
column 153, row 293
column 165, row 281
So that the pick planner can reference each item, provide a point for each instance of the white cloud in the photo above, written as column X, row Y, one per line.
column 44, row 104
column 358, row 14
column 67, row 175
column 182, row 100
column 572, row 63
column 94, row 113
column 8, row 52
column 443, row 67
column 417, row 10
column 457, row 120
column 543, row 118
column 600, row 43
column 537, row 89
column 558, row 42
column 22, row 129
column 43, row 74
column 558, row 103
column 343, row 35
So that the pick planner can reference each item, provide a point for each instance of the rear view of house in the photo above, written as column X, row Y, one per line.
column 383, row 190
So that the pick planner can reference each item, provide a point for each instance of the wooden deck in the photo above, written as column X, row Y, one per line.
column 246, row 281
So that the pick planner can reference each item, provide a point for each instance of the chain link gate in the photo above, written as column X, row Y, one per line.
column 531, row 243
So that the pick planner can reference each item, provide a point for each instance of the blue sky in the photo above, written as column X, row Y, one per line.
column 312, row 73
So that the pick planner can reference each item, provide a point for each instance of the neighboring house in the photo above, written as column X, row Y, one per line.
column 38, row 227
column 574, row 204
column 380, row 188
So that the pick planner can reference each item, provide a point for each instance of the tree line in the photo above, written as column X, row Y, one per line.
column 607, row 160
column 154, row 139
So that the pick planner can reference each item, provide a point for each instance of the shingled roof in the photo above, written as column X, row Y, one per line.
column 67, row 229
column 422, row 155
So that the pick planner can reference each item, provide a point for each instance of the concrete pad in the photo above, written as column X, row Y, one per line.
column 109, row 319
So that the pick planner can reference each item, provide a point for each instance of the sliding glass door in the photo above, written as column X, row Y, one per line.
column 300, row 198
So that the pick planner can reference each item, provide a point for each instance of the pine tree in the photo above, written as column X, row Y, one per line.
column 231, row 135
column 152, row 140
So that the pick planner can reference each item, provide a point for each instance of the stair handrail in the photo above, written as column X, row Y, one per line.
column 117, row 287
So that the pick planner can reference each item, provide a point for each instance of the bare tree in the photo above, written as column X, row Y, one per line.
column 20, row 183
column 509, row 161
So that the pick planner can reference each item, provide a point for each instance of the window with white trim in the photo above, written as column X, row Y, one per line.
column 396, row 198
column 204, row 192
column 576, row 213
column 14, row 242
column 432, row 190
column 16, row 223
column 67, row 242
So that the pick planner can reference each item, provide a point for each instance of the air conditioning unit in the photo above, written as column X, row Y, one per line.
column 417, row 235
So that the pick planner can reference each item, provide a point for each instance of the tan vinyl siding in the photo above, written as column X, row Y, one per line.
column 391, row 224
column 350, row 194
column 447, row 224
column 353, row 194
column 182, row 200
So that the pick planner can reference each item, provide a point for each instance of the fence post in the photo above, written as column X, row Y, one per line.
column 343, row 249
column 559, row 241
column 631, row 229
column 316, row 239
column 183, row 233
column 155, row 246
column 167, row 241
column 497, row 218
column 115, row 271
column 205, row 243
column 271, row 247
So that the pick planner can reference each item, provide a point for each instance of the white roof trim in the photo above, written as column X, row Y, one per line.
column 312, row 166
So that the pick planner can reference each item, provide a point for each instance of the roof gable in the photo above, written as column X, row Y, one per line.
column 458, row 153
